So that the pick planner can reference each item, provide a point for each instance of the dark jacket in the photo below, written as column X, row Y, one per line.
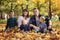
column 47, row 19
column 11, row 22
column 33, row 20
column 24, row 27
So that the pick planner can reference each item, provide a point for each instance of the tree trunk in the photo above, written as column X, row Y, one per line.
column 11, row 6
column 27, row 5
column 38, row 6
column 22, row 7
column 50, row 14
column 1, row 13
column 27, row 8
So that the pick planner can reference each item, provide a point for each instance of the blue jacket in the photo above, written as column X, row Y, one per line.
column 43, row 25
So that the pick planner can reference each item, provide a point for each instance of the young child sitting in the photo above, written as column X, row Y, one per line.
column 42, row 26
column 12, row 21
column 23, row 26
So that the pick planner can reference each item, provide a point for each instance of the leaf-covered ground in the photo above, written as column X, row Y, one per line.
column 16, row 34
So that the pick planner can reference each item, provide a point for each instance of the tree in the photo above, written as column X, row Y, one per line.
column 0, row 9
column 44, row 6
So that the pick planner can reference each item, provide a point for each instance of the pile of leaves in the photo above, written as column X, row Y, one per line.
column 29, row 36
column 16, row 34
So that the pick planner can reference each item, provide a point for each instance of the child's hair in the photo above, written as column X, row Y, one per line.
column 43, row 18
column 11, row 11
column 35, row 8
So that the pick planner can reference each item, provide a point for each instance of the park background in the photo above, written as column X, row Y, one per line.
column 46, row 7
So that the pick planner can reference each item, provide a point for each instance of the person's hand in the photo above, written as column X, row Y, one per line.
column 31, row 25
column 49, row 27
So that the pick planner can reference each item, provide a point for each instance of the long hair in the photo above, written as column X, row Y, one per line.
column 25, row 10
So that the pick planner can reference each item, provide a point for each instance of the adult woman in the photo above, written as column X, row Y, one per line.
column 25, row 16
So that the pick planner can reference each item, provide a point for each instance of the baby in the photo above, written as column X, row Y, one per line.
column 23, row 26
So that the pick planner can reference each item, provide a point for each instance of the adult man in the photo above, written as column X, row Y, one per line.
column 35, row 18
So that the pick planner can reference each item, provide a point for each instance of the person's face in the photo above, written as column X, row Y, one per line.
column 36, row 12
column 41, row 20
column 52, row 13
column 23, row 22
column 11, row 14
column 25, row 13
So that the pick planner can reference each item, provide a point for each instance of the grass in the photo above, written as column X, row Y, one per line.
column 3, row 21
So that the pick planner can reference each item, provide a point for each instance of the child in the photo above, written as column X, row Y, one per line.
column 42, row 26
column 12, row 21
column 23, row 26
column 48, row 23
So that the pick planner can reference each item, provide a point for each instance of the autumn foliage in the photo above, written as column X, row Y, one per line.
column 16, row 34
